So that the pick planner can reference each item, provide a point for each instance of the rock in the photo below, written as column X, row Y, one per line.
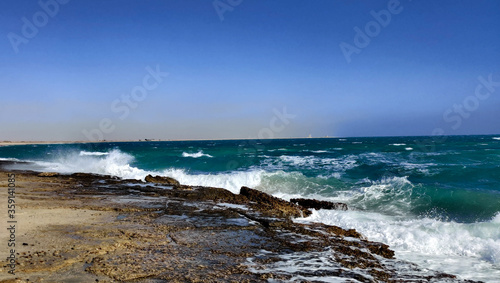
column 162, row 180
column 207, row 193
column 184, row 187
column 380, row 249
column 48, row 174
column 319, row 204
column 271, row 205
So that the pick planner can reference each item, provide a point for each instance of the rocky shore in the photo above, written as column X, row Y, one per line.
column 93, row 228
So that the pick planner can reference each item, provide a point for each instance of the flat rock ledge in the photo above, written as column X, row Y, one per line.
column 149, row 233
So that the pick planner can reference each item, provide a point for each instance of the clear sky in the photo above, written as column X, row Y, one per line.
column 247, row 68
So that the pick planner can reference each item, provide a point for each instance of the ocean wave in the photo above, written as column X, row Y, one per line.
column 313, row 162
column 372, row 158
column 114, row 162
column 196, row 155
column 392, row 196
column 9, row 159
column 118, row 163
column 470, row 250
column 231, row 181
column 419, row 167
column 298, row 160
column 86, row 153
column 496, row 219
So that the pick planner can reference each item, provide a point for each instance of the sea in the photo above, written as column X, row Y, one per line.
column 434, row 200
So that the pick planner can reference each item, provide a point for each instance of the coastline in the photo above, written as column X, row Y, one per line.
column 8, row 143
column 86, row 228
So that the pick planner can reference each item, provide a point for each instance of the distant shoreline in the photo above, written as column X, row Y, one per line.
column 7, row 143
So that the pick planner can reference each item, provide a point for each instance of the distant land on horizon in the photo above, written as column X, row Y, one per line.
column 7, row 142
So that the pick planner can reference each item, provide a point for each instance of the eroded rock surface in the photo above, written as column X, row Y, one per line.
column 270, row 205
column 162, row 180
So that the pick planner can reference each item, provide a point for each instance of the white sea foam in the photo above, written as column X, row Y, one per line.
column 421, row 167
column 8, row 159
column 471, row 251
column 87, row 153
column 196, row 155
column 335, row 175
column 118, row 163
column 308, row 264
column 232, row 181
column 337, row 165
column 375, row 157
column 389, row 195
column 298, row 160
column 114, row 163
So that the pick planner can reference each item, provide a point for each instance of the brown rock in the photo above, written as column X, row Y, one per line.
column 319, row 204
column 162, row 180
column 48, row 174
column 207, row 193
column 381, row 249
column 270, row 205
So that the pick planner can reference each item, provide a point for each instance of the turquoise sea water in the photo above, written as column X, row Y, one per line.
column 438, row 206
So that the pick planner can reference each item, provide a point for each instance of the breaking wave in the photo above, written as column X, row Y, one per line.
column 86, row 153
column 196, row 155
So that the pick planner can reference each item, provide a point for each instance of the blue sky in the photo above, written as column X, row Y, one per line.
column 233, row 64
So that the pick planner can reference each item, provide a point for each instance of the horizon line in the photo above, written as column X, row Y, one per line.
column 25, row 142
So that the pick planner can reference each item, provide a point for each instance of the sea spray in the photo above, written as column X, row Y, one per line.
column 468, row 249
column 196, row 155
